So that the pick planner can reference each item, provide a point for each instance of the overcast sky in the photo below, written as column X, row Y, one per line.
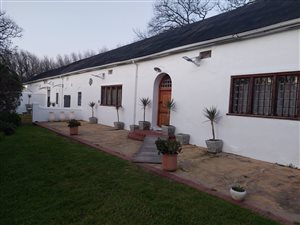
column 60, row 27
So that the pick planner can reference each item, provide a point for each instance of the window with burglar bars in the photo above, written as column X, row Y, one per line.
column 111, row 95
column 274, row 95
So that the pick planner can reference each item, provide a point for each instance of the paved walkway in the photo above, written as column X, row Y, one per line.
column 273, row 190
column 147, row 152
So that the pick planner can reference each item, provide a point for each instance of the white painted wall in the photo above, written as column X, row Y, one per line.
column 35, row 98
column 194, row 88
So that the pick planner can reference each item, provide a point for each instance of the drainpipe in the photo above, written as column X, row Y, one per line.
column 62, row 92
column 135, row 90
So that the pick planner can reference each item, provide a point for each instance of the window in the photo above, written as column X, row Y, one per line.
column 79, row 99
column 266, row 95
column 67, row 101
column 56, row 98
column 111, row 95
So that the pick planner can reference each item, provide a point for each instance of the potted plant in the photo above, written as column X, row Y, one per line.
column 238, row 193
column 74, row 124
column 169, row 150
column 168, row 129
column 144, row 125
column 118, row 125
column 28, row 105
column 213, row 145
column 93, row 119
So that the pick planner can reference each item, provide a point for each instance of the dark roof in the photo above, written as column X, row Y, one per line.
column 256, row 15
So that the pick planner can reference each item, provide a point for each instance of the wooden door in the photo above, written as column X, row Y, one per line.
column 165, row 89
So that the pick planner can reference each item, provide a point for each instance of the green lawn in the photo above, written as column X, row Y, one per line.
column 46, row 179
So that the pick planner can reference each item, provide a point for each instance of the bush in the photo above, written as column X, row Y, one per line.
column 7, row 128
column 13, row 118
column 73, row 123
column 168, row 146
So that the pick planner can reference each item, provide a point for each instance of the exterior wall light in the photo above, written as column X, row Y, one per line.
column 195, row 60
column 157, row 69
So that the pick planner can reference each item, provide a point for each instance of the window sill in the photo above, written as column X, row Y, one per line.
column 264, row 117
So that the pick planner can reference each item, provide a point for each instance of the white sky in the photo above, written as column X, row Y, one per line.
column 60, row 27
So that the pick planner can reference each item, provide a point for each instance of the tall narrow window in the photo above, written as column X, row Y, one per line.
column 287, row 96
column 67, row 101
column 240, row 95
column 262, row 96
column 111, row 95
column 79, row 98
column 275, row 95
column 56, row 98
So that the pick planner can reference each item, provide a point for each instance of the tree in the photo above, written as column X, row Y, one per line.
column 169, row 14
column 228, row 5
column 8, row 30
column 10, row 89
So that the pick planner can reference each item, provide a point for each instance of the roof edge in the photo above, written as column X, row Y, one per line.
column 274, row 28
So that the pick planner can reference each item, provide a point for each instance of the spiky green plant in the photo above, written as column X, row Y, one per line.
column 212, row 114
column 92, row 105
column 170, row 105
column 145, row 102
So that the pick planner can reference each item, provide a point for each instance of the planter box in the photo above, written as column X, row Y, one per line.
column 93, row 120
column 134, row 127
column 119, row 125
column 168, row 130
column 184, row 139
column 51, row 117
column 214, row 146
column 144, row 125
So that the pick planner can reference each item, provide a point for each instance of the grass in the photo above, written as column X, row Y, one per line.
column 46, row 179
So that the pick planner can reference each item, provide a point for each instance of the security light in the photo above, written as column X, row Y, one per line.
column 195, row 60
column 157, row 69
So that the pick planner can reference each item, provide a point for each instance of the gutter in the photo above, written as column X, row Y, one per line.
column 279, row 27
column 135, row 90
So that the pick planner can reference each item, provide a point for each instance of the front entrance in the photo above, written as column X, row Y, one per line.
column 165, row 89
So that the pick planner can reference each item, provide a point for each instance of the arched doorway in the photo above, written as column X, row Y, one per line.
column 165, row 90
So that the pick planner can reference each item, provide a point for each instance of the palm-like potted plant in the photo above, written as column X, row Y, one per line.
column 118, row 125
column 213, row 145
column 169, row 150
column 144, row 125
column 93, row 119
column 168, row 129
column 238, row 193
column 28, row 105
column 73, row 125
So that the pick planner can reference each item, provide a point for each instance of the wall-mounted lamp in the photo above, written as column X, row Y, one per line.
column 157, row 69
column 101, row 75
column 195, row 60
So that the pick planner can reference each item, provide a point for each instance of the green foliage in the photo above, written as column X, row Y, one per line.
column 92, row 105
column 7, row 128
column 170, row 105
column 145, row 102
column 13, row 118
column 168, row 146
column 47, row 179
column 212, row 114
column 238, row 188
column 10, row 90
column 73, row 123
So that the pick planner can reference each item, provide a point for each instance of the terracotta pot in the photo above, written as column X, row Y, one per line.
column 169, row 162
column 73, row 130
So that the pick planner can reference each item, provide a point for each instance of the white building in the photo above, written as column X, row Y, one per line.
column 246, row 62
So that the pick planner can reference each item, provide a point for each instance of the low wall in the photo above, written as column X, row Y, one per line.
column 42, row 114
